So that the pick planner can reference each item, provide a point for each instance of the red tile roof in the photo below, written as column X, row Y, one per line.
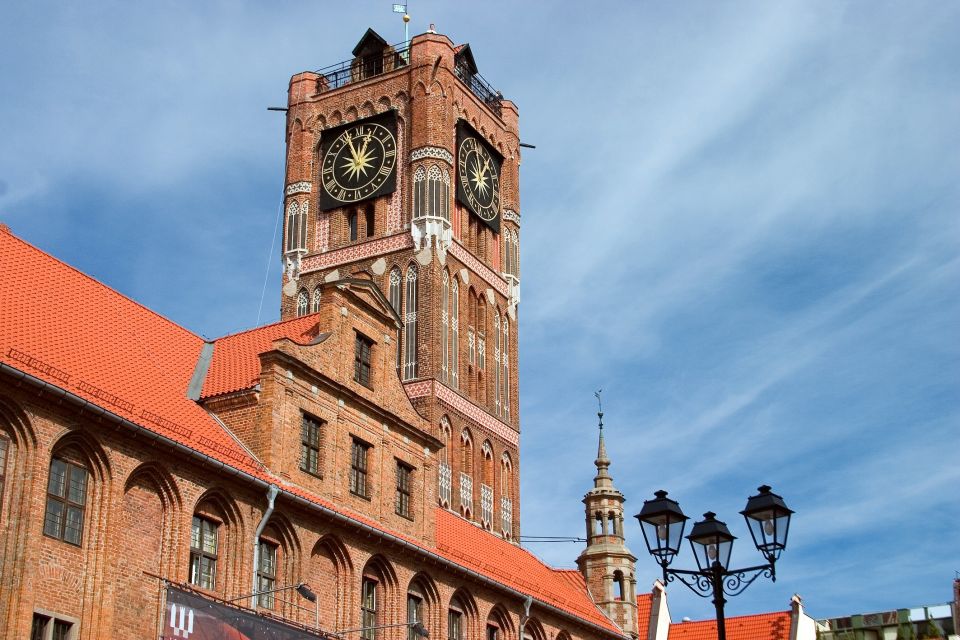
column 474, row 548
column 236, row 363
column 644, row 602
column 75, row 333
column 764, row 626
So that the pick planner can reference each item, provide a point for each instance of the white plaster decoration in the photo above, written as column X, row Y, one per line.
column 431, row 152
column 431, row 210
column 424, row 257
column 356, row 252
column 299, row 187
column 379, row 267
column 465, row 276
column 486, row 505
column 457, row 402
column 490, row 297
column 332, row 276
column 483, row 271
column 446, row 484
column 513, row 298
column 466, row 492
column 512, row 216
column 293, row 264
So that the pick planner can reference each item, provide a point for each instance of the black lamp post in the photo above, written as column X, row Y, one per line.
column 662, row 522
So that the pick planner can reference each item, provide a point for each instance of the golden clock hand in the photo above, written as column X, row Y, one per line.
column 353, row 151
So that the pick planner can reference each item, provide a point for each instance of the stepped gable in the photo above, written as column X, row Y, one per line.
column 236, row 358
column 515, row 567
column 764, row 626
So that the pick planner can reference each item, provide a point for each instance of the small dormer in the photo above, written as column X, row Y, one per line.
column 371, row 57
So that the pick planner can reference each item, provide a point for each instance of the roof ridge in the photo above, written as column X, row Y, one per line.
column 263, row 326
column 99, row 283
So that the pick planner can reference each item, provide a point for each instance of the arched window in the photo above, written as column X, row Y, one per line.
column 297, row 225
column 445, row 479
column 370, row 220
column 506, row 495
column 396, row 301
column 420, row 193
column 486, row 486
column 352, row 224
column 481, row 343
column 505, row 356
column 618, row 589
column 466, row 474
column 303, row 302
column 497, row 356
column 515, row 263
column 612, row 519
column 598, row 524
column 316, row 300
column 410, row 326
column 455, row 332
column 66, row 500
column 377, row 592
column 445, row 326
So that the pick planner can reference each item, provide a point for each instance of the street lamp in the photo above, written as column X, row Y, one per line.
column 301, row 587
column 662, row 522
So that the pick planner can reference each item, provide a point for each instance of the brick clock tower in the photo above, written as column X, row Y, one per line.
column 606, row 563
column 403, row 169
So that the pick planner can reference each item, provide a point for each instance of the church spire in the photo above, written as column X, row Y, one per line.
column 606, row 563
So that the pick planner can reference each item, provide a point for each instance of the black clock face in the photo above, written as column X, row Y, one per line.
column 359, row 161
column 479, row 176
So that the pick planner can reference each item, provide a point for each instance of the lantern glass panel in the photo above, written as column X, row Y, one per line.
column 663, row 534
column 708, row 550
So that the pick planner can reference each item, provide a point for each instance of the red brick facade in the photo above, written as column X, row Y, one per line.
column 168, row 430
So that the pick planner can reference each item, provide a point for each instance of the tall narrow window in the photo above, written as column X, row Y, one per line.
column 455, row 333
column 203, row 553
column 4, row 448
column 368, row 608
column 310, row 445
column 315, row 305
column 352, row 224
column 618, row 585
column 361, row 359
column 506, row 368
column 493, row 632
column 410, row 326
column 358, row 468
column 445, row 479
column 454, row 625
column 445, row 327
column 414, row 615
column 303, row 303
column 497, row 356
column 266, row 574
column 66, row 500
column 396, row 301
column 370, row 220
column 420, row 193
column 296, row 226
column 404, row 471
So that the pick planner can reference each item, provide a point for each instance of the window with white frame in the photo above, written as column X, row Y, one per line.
column 445, row 326
column 455, row 332
column 297, row 225
column 303, row 303
column 410, row 326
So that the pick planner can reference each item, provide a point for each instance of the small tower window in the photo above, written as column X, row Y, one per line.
column 352, row 223
column 370, row 220
column 618, row 585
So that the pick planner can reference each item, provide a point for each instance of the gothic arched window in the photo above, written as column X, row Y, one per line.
column 455, row 333
column 66, row 501
column 303, row 303
column 445, row 327
column 505, row 357
column 315, row 306
column 497, row 356
column 410, row 326
column 419, row 193
column 297, row 226
column 445, row 475
column 396, row 301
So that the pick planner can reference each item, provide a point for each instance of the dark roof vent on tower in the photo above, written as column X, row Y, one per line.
column 370, row 44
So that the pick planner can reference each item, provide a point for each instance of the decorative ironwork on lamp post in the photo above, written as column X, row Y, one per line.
column 662, row 522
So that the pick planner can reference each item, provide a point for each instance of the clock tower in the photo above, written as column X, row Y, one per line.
column 403, row 169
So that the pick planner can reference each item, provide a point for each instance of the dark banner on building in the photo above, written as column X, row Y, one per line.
column 190, row 616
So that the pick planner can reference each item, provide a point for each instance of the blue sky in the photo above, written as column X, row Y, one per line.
column 740, row 221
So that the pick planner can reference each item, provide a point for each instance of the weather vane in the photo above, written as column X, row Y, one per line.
column 599, row 407
column 402, row 8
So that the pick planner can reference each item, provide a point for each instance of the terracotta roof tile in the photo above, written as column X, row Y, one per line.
column 764, row 626
column 236, row 362
column 515, row 567
column 644, row 602
column 65, row 328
